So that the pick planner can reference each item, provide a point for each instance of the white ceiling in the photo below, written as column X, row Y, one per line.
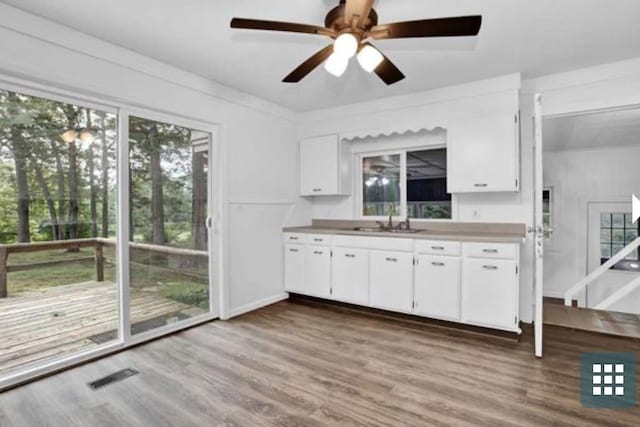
column 596, row 130
column 536, row 37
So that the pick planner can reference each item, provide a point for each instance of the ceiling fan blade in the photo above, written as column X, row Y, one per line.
column 309, row 65
column 359, row 9
column 290, row 27
column 442, row 27
column 387, row 70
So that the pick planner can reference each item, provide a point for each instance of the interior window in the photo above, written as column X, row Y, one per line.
column 426, row 174
column 617, row 230
column 381, row 185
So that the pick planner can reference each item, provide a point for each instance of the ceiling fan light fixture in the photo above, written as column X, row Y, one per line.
column 369, row 58
column 336, row 64
column 346, row 45
column 69, row 136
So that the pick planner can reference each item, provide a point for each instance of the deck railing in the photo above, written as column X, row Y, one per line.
column 98, row 244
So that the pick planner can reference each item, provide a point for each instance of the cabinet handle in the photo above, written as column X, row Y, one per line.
column 489, row 267
column 318, row 252
column 350, row 255
column 437, row 248
column 490, row 251
column 392, row 259
column 480, row 185
column 293, row 238
column 318, row 240
column 438, row 264
column 317, row 190
column 293, row 250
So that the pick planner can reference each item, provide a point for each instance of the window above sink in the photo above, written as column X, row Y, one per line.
column 409, row 183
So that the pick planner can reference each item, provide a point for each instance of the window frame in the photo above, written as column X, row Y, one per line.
column 629, row 265
column 402, row 212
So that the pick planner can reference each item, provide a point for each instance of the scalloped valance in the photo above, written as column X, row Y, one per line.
column 394, row 131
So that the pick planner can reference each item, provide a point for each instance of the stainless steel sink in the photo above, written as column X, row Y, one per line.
column 384, row 230
column 410, row 231
column 370, row 229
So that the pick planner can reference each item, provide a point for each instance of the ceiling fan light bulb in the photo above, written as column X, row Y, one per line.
column 370, row 58
column 336, row 64
column 346, row 45
column 69, row 136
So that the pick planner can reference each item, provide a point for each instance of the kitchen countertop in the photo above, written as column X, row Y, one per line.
column 487, row 235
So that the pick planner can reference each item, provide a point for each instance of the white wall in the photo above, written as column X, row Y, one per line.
column 259, row 138
column 578, row 177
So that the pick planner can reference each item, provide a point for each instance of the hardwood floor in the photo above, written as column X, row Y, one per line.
column 585, row 319
column 309, row 364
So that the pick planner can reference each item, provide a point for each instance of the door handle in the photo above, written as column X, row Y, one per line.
column 209, row 223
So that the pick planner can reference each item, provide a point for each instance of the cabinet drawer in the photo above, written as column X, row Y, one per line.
column 319, row 239
column 381, row 243
column 438, row 247
column 490, row 250
column 295, row 238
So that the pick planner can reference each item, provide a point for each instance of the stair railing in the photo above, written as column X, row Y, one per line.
column 595, row 274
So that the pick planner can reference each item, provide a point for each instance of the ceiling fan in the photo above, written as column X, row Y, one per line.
column 352, row 24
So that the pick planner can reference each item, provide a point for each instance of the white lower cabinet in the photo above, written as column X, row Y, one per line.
column 294, row 261
column 489, row 292
column 318, row 271
column 437, row 287
column 474, row 283
column 391, row 280
column 350, row 275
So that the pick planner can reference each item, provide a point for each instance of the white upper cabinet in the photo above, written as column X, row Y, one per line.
column 483, row 155
column 324, row 167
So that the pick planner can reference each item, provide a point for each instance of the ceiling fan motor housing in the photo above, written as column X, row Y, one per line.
column 336, row 20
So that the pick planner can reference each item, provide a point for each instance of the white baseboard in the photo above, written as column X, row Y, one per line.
column 234, row 312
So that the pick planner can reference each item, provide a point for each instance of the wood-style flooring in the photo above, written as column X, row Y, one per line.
column 309, row 364
column 600, row 321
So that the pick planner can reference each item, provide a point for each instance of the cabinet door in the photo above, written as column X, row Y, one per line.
column 489, row 289
column 437, row 287
column 319, row 168
column 294, row 267
column 483, row 155
column 350, row 275
column 391, row 280
column 318, row 271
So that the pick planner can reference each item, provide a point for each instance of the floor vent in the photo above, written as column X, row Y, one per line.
column 115, row 377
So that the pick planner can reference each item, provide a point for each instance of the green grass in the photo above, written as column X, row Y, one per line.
column 169, row 284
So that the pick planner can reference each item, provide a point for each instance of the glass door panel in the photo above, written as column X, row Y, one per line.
column 168, row 241
column 58, row 287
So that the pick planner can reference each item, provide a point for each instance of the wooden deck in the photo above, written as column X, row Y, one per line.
column 66, row 319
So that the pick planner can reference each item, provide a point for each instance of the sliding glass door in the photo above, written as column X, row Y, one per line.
column 106, row 230
column 58, row 283
column 168, row 234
